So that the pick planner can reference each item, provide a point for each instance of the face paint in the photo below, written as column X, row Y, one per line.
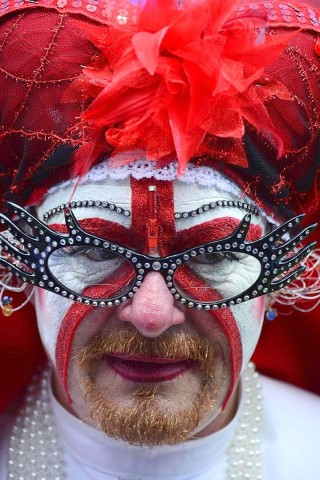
column 68, row 329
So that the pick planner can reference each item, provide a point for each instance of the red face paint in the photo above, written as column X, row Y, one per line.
column 169, row 241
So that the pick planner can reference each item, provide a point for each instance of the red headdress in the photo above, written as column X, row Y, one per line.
column 234, row 87
column 204, row 81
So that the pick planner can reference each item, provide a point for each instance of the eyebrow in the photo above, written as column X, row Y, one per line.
column 220, row 203
column 85, row 203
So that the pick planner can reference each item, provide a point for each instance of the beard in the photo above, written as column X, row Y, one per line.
column 150, row 415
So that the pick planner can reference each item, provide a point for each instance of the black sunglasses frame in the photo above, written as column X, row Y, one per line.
column 36, row 250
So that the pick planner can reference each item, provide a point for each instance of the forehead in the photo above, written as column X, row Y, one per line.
column 191, row 203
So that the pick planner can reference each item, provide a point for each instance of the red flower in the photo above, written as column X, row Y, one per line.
column 177, row 78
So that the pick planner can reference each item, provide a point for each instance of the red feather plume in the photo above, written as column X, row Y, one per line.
column 177, row 78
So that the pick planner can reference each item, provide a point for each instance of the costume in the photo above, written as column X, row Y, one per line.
column 156, row 163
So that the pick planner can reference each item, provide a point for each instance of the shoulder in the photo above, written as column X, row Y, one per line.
column 291, row 432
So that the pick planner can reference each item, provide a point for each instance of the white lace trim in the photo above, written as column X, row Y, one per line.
column 204, row 176
column 146, row 169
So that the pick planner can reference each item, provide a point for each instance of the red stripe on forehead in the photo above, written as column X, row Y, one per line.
column 111, row 231
column 165, row 214
column 167, row 236
column 211, row 231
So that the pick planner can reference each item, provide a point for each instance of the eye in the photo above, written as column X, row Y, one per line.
column 99, row 254
column 94, row 253
column 216, row 257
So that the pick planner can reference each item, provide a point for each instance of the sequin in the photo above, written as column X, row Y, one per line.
column 287, row 18
column 268, row 5
column 61, row 3
column 254, row 6
column 272, row 17
column 77, row 3
column 302, row 19
column 122, row 20
column 91, row 8
column 106, row 13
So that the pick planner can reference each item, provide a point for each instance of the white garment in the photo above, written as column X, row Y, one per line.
column 290, row 445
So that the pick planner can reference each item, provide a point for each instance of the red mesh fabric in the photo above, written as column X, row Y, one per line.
column 301, row 118
column 42, row 52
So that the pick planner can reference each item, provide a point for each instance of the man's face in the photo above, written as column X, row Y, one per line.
column 150, row 370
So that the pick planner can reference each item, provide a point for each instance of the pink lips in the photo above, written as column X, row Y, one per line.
column 148, row 369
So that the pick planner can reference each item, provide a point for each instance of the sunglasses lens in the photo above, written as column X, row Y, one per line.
column 216, row 276
column 92, row 271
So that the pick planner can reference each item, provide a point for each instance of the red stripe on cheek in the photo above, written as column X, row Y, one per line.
column 190, row 281
column 69, row 325
column 76, row 314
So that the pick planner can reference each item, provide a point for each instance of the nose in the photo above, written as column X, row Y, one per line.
column 152, row 309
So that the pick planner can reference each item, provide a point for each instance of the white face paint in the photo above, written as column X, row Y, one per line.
column 152, row 311
column 52, row 308
column 249, row 315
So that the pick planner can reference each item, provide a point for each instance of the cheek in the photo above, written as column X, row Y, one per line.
column 249, row 318
column 50, row 310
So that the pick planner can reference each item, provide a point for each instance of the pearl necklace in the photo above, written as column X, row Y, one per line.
column 35, row 451
column 244, row 453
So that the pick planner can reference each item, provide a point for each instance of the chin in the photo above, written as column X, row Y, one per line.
column 150, row 413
